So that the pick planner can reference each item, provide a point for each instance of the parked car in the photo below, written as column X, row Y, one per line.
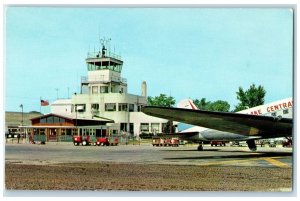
column 272, row 143
column 238, row 143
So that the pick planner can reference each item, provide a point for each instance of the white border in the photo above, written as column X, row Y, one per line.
column 150, row 3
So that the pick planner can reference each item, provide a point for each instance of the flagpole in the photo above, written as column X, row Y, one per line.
column 40, row 105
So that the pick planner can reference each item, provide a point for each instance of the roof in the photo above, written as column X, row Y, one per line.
column 62, row 102
column 73, row 117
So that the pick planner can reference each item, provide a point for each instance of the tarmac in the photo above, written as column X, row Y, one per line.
column 142, row 167
column 145, row 153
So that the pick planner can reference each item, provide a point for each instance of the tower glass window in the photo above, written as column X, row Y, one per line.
column 104, row 89
column 94, row 90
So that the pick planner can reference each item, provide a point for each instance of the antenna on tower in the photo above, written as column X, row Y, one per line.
column 99, row 33
column 108, row 44
column 105, row 42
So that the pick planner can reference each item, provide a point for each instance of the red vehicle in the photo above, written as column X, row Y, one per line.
column 83, row 140
column 107, row 141
column 102, row 141
column 216, row 143
column 167, row 142
column 113, row 141
column 174, row 142
column 287, row 143
column 156, row 141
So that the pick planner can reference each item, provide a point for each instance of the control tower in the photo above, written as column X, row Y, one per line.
column 104, row 94
column 104, row 72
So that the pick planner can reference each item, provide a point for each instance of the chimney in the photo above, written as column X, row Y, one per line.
column 144, row 89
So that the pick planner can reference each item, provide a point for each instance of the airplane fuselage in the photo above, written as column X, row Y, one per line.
column 277, row 109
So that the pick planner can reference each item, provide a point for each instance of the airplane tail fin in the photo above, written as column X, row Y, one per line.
column 187, row 104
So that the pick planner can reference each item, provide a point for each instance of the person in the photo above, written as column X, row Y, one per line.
column 103, row 51
column 31, row 141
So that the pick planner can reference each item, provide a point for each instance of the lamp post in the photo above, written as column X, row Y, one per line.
column 21, row 106
column 56, row 89
column 22, row 121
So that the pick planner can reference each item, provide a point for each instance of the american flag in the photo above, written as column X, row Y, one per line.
column 44, row 103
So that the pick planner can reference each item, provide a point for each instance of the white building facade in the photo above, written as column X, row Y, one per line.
column 104, row 94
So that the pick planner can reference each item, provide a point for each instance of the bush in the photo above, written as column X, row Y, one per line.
column 146, row 135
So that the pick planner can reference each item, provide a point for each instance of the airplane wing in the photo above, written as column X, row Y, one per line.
column 244, row 124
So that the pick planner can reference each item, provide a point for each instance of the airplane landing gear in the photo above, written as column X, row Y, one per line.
column 251, row 145
column 200, row 147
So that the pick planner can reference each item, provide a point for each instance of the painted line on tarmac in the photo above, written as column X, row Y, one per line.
column 270, row 160
column 276, row 163
column 227, row 162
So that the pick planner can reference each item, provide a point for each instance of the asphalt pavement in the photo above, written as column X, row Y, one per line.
column 277, row 157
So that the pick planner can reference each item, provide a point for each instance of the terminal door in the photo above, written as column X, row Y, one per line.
column 52, row 134
column 100, row 132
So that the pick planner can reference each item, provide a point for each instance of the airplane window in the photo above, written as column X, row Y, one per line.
column 286, row 111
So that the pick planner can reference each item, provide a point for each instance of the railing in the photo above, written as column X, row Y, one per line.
column 65, row 138
column 107, row 54
column 102, row 78
column 40, row 138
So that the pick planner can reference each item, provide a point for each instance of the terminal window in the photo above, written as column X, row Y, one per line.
column 95, row 106
column 144, row 127
column 80, row 107
column 123, row 107
column 131, row 107
column 155, row 127
column 104, row 89
column 110, row 106
column 94, row 89
column 52, row 120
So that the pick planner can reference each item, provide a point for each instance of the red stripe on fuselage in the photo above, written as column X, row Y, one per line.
column 192, row 105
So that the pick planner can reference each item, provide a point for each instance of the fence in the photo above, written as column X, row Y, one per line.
column 122, row 140
column 12, row 137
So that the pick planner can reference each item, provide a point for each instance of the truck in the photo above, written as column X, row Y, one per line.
column 174, row 142
column 157, row 141
column 113, row 141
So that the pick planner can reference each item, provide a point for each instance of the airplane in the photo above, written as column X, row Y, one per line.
column 261, row 122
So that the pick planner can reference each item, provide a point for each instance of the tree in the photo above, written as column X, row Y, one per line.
column 201, row 104
column 161, row 100
column 35, row 112
column 169, row 127
column 219, row 105
column 252, row 97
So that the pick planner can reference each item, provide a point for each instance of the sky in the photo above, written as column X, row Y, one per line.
column 182, row 52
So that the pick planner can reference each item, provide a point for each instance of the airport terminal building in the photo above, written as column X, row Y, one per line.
column 103, row 107
column 104, row 95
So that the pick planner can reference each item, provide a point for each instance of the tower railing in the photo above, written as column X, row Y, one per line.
column 107, row 54
column 102, row 78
